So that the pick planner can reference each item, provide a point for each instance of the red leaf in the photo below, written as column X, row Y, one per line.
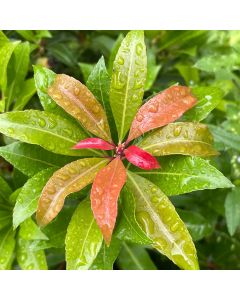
column 141, row 158
column 104, row 196
column 164, row 108
column 94, row 143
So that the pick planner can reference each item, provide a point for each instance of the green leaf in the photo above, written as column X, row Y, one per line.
column 27, row 90
column 189, row 73
column 27, row 199
column 232, row 210
column 5, row 217
column 63, row 53
column 83, row 239
column 107, row 256
column 159, row 220
column 179, row 138
column 29, row 259
column 31, row 159
column 128, row 79
column 17, row 71
column 127, row 228
column 134, row 257
column 30, row 231
column 5, row 190
column 7, row 246
column 3, row 38
column 152, row 69
column 208, row 99
column 180, row 175
column 34, row 35
column 226, row 138
column 6, row 51
column 86, row 70
column 197, row 225
column 45, row 129
column 113, row 53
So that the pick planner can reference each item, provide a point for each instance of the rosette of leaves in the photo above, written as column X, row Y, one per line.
column 134, row 155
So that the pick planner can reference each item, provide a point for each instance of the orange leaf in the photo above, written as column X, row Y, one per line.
column 104, row 196
column 164, row 108
column 76, row 99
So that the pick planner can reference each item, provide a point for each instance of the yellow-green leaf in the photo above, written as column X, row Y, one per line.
column 179, row 138
column 69, row 179
column 76, row 99
column 159, row 219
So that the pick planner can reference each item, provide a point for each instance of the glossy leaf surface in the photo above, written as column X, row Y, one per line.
column 179, row 138
column 105, row 191
column 78, row 101
column 141, row 158
column 128, row 79
column 45, row 129
column 5, row 189
column 26, row 203
column 5, row 216
column 232, row 210
column 31, row 159
column 83, row 239
column 69, row 179
column 135, row 257
column 164, row 108
column 7, row 246
column 179, row 175
column 30, row 231
column 160, row 221
column 94, row 143
column 27, row 90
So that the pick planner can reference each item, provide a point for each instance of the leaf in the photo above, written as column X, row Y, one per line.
column 208, row 99
column 127, row 228
column 94, row 143
column 189, row 73
column 78, row 101
column 45, row 129
column 17, row 71
column 114, row 52
column 27, row 199
column 86, row 70
column 197, row 225
column 5, row 190
column 30, row 231
column 105, row 191
column 228, row 139
column 179, row 138
column 5, row 217
column 31, row 159
column 152, row 69
column 71, row 178
column 7, row 246
column 83, row 239
column 63, row 53
column 180, row 175
column 134, row 257
column 6, row 51
column 28, row 89
column 28, row 259
column 162, row 109
column 107, row 256
column 141, row 158
column 34, row 35
column 159, row 220
column 232, row 210
column 128, row 79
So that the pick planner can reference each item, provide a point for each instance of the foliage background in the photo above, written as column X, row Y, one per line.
column 193, row 58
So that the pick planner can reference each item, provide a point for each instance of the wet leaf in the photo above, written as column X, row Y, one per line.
column 31, row 159
column 179, row 175
column 83, row 239
column 86, row 70
column 5, row 217
column 114, row 52
column 30, row 231
column 45, row 129
column 7, row 246
column 26, row 203
column 127, row 228
column 71, row 178
column 208, row 99
column 78, row 101
column 134, row 257
column 179, row 138
column 5, row 189
column 141, row 158
column 105, row 191
column 128, row 79
column 107, row 256
column 158, row 218
column 27, row 90
column 94, row 143
column 162, row 109
column 232, row 210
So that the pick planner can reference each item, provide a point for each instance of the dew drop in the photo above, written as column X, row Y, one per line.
column 177, row 131
column 10, row 130
column 76, row 91
column 153, row 108
column 41, row 122
column 139, row 49
column 208, row 97
column 139, row 118
column 120, row 60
